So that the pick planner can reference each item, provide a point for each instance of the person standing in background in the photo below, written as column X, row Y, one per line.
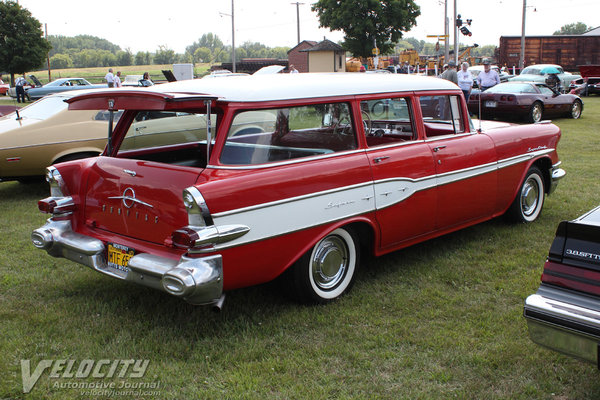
column 19, row 87
column 110, row 78
column 465, row 80
column 488, row 77
column 450, row 73
column 117, row 79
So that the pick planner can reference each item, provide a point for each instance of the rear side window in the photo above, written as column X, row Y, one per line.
column 152, row 129
column 441, row 115
column 280, row 134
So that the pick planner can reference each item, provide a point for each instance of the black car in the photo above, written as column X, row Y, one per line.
column 564, row 314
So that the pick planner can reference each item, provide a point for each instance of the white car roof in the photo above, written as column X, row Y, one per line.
column 299, row 86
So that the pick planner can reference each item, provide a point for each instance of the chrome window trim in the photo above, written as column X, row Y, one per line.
column 288, row 162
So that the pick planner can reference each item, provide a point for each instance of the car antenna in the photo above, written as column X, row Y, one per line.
column 479, row 104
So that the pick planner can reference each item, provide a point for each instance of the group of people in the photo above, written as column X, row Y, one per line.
column 464, row 79
column 114, row 80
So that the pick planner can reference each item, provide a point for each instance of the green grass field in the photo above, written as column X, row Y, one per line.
column 439, row 320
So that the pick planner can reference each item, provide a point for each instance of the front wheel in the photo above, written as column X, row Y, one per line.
column 575, row 109
column 327, row 271
column 535, row 112
column 528, row 204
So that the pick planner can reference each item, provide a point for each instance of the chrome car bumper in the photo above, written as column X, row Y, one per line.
column 565, row 322
column 556, row 174
column 195, row 280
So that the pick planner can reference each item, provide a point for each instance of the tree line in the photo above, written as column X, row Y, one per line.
column 89, row 51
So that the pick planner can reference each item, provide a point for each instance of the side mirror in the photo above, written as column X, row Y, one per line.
column 327, row 119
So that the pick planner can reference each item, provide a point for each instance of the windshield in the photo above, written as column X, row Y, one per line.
column 44, row 108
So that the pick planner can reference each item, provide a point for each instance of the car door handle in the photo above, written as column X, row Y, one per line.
column 377, row 160
column 436, row 149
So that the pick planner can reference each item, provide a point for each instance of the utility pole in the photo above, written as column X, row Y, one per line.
column 455, row 37
column 522, row 56
column 446, row 32
column 232, row 38
column 48, row 55
column 298, row 4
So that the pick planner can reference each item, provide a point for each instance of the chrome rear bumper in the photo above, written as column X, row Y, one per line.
column 565, row 322
column 195, row 280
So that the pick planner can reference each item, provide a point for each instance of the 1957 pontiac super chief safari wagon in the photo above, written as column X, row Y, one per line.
column 211, row 185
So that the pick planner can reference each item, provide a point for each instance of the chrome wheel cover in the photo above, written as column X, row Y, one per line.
column 576, row 110
column 530, row 196
column 329, row 262
column 536, row 113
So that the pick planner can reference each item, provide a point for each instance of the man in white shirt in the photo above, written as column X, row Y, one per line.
column 110, row 78
column 465, row 80
column 488, row 77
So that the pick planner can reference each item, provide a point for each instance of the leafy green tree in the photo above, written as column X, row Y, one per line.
column 72, row 44
column 61, row 61
column 22, row 47
column 279, row 52
column 208, row 40
column 366, row 21
column 143, row 58
column 203, row 54
column 164, row 55
column 576, row 28
column 416, row 43
column 124, row 57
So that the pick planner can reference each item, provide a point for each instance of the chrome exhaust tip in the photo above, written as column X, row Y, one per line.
column 42, row 239
column 217, row 306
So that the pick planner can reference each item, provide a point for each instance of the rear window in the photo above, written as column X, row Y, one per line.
column 280, row 134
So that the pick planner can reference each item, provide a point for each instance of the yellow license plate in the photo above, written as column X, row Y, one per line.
column 118, row 256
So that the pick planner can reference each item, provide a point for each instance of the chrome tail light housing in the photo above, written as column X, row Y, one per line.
column 201, row 235
column 59, row 204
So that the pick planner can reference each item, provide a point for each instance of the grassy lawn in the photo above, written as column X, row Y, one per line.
column 439, row 320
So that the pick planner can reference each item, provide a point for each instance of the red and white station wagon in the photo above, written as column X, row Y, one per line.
column 211, row 185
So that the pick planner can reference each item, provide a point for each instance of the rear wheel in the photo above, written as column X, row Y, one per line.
column 528, row 204
column 535, row 112
column 575, row 109
column 327, row 271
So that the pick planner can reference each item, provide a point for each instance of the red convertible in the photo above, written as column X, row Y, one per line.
column 211, row 185
column 530, row 100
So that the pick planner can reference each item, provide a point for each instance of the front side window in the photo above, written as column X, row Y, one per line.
column 280, row 134
column 441, row 115
column 387, row 121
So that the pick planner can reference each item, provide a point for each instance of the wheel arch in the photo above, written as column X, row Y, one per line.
column 545, row 165
column 364, row 228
